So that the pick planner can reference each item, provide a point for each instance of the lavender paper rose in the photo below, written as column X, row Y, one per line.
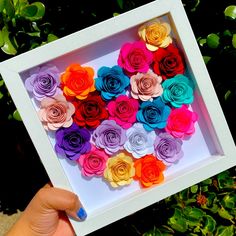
column 73, row 141
column 109, row 136
column 167, row 148
column 43, row 82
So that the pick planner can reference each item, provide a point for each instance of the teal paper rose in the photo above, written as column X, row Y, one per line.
column 111, row 82
column 177, row 91
column 153, row 115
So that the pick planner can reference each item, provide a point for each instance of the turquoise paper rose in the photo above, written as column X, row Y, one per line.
column 111, row 82
column 177, row 91
column 153, row 115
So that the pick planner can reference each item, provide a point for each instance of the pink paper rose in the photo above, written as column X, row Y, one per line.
column 135, row 57
column 181, row 122
column 123, row 110
column 56, row 112
column 93, row 163
column 146, row 86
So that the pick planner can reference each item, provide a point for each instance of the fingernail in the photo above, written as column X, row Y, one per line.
column 81, row 213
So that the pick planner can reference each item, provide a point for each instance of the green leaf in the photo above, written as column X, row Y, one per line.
column 193, row 213
column 229, row 201
column 2, row 5
column 234, row 40
column 16, row 115
column 225, row 214
column 51, row 37
column 227, row 95
column 1, row 95
column 178, row 222
column 9, row 6
column 194, row 188
column 209, row 225
column 230, row 12
column 202, row 42
column 34, row 11
column 213, row 40
column 8, row 47
column 1, row 39
column 225, row 231
column 120, row 3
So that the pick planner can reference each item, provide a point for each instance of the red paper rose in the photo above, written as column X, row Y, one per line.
column 168, row 62
column 90, row 111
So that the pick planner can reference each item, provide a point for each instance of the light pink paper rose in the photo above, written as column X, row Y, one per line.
column 93, row 163
column 56, row 112
column 146, row 86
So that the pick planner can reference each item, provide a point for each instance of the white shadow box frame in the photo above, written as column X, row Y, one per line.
column 209, row 151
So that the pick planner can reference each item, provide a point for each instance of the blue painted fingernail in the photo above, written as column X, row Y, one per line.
column 81, row 213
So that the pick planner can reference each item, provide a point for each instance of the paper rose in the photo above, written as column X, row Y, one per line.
column 181, row 121
column 120, row 170
column 109, row 136
column 178, row 91
column 93, row 163
column 56, row 112
column 73, row 141
column 90, row 111
column 134, row 57
column 149, row 170
column 155, row 34
column 153, row 114
column 43, row 82
column 167, row 148
column 145, row 86
column 78, row 81
column 139, row 141
column 123, row 110
column 111, row 82
column 168, row 62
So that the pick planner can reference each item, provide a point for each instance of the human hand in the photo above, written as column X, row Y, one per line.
column 45, row 215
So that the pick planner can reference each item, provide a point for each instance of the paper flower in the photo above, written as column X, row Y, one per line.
column 145, row 86
column 168, row 62
column 43, row 82
column 153, row 114
column 123, row 110
column 120, row 170
column 93, row 163
column 56, row 112
column 181, row 121
column 149, row 170
column 90, row 111
column 73, row 141
column 134, row 57
column 167, row 148
column 78, row 81
column 156, row 34
column 139, row 141
column 111, row 82
column 109, row 136
column 178, row 91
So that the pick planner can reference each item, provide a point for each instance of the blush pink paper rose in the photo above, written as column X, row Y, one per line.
column 56, row 112
column 181, row 122
column 123, row 110
column 135, row 57
column 145, row 86
column 93, row 163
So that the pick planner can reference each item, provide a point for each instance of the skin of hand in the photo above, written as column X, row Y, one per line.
column 46, row 214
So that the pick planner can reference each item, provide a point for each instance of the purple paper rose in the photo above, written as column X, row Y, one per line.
column 43, row 82
column 167, row 148
column 109, row 136
column 73, row 141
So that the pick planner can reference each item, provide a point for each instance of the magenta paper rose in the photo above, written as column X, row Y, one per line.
column 109, row 136
column 43, row 82
column 145, row 86
column 56, row 112
column 123, row 110
column 135, row 57
column 93, row 163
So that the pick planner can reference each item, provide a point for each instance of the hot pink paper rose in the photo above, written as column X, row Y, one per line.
column 56, row 112
column 145, row 86
column 135, row 57
column 93, row 163
column 181, row 122
column 123, row 110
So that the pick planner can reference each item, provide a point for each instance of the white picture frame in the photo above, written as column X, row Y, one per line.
column 214, row 146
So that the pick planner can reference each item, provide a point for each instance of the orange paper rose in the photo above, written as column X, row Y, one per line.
column 78, row 81
column 120, row 170
column 149, row 170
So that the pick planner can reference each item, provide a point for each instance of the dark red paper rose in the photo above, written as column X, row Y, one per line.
column 168, row 62
column 90, row 111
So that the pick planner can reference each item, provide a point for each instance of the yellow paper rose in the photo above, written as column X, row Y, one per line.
column 120, row 170
column 155, row 34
